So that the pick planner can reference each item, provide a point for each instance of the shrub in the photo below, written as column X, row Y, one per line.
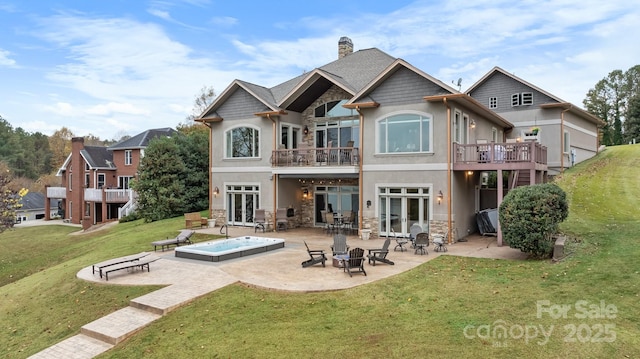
column 529, row 217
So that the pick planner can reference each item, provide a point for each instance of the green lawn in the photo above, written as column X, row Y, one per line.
column 447, row 307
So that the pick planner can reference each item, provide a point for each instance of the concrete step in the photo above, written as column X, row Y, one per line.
column 77, row 347
column 119, row 325
column 169, row 298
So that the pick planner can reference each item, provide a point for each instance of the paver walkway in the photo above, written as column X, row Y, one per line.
column 281, row 269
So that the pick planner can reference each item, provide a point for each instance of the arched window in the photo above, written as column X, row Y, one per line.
column 407, row 132
column 243, row 142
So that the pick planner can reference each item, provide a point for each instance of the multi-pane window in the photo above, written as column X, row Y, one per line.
column 243, row 142
column 101, row 179
column 493, row 102
column 404, row 133
column 128, row 157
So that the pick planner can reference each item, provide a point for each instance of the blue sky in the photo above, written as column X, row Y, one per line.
column 117, row 67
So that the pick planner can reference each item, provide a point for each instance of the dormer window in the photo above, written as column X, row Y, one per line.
column 521, row 99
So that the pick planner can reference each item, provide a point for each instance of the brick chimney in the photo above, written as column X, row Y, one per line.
column 345, row 47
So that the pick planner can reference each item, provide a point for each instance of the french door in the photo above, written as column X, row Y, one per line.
column 401, row 207
column 337, row 199
column 242, row 201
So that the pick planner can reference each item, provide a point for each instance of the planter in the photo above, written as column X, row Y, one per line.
column 365, row 234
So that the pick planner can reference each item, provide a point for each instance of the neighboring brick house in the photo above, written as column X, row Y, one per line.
column 569, row 132
column 368, row 134
column 99, row 191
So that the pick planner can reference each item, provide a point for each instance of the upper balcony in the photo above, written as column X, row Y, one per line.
column 316, row 156
column 56, row 192
column 110, row 195
column 499, row 156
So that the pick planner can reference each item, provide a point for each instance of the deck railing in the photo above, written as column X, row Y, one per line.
column 111, row 195
column 498, row 153
column 315, row 156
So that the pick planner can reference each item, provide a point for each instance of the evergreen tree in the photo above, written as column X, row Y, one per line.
column 161, row 181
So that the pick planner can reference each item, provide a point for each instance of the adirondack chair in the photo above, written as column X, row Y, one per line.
column 339, row 245
column 355, row 263
column 317, row 256
column 380, row 254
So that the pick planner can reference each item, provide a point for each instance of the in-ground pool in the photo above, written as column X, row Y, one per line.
column 217, row 251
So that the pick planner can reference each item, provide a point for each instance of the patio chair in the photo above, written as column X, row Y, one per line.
column 281, row 219
column 380, row 254
column 304, row 154
column 355, row 263
column 422, row 242
column 401, row 241
column 413, row 231
column 317, row 256
column 182, row 238
column 260, row 220
column 347, row 221
column 439, row 243
column 331, row 222
column 339, row 245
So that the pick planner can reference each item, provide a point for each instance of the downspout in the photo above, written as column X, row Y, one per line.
column 274, row 177
column 210, row 169
column 360, row 181
column 562, row 138
column 449, row 149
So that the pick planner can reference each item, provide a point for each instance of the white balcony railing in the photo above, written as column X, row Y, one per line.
column 111, row 195
column 56, row 192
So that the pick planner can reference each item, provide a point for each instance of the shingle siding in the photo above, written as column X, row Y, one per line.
column 405, row 87
column 241, row 105
column 502, row 87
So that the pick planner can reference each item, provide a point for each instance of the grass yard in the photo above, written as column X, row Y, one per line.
column 447, row 307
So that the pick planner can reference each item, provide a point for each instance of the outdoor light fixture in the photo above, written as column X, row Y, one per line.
column 368, row 203
column 470, row 173
column 440, row 197
column 216, row 191
column 306, row 130
column 305, row 193
column 473, row 124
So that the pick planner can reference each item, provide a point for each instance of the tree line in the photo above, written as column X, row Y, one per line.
column 616, row 100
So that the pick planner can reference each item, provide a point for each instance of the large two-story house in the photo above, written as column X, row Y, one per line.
column 95, row 179
column 367, row 133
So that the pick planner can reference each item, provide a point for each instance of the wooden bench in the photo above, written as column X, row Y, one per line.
column 194, row 219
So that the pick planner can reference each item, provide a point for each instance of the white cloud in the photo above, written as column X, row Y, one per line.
column 115, row 108
column 5, row 60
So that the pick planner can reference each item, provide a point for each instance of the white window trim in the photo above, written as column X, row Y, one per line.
column 493, row 102
column 566, row 142
column 225, row 142
column 395, row 113
column 128, row 157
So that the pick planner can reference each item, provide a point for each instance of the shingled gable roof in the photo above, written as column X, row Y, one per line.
column 141, row 140
column 514, row 77
column 361, row 96
column 350, row 73
column 98, row 157
column 561, row 104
